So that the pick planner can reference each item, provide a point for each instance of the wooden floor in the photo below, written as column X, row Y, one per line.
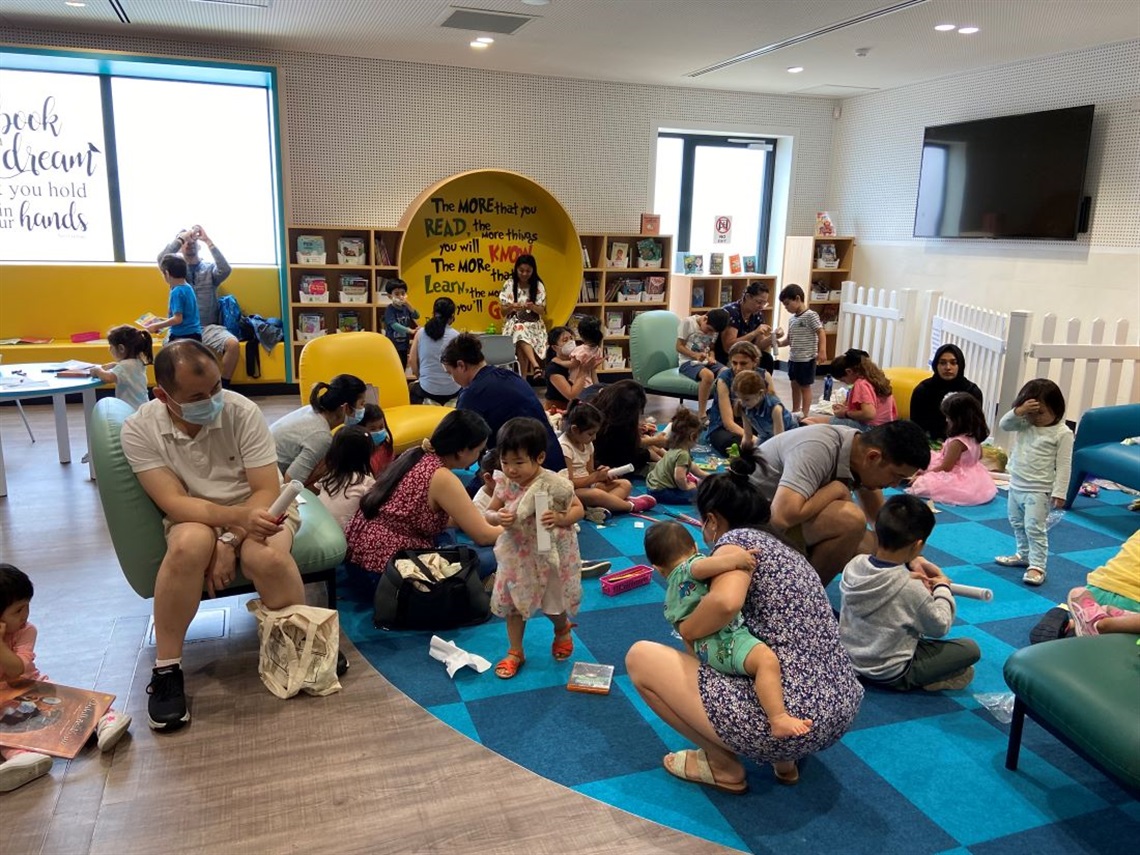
column 364, row 770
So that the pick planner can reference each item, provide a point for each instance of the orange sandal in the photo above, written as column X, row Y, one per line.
column 563, row 646
column 509, row 665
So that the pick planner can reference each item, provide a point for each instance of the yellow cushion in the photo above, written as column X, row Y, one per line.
column 410, row 424
column 903, row 380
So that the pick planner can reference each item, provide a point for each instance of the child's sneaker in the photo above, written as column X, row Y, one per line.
column 594, row 569
column 23, row 768
column 167, row 704
column 955, row 681
column 641, row 504
column 1086, row 612
column 1014, row 560
column 110, row 730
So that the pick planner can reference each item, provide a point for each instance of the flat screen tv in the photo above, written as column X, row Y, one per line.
column 1008, row 177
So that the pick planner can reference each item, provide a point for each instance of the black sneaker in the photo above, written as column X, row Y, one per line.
column 341, row 664
column 167, row 705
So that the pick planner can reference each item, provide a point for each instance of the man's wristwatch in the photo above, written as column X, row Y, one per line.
column 229, row 539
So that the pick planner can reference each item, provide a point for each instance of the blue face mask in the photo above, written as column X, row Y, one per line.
column 379, row 437
column 356, row 417
column 202, row 412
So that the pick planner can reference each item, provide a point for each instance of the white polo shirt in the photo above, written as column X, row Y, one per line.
column 211, row 465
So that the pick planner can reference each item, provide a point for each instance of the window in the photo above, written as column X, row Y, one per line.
column 105, row 159
column 701, row 179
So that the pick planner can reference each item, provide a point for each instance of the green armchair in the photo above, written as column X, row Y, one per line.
column 135, row 522
column 653, row 355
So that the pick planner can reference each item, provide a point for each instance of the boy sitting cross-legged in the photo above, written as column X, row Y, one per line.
column 896, row 603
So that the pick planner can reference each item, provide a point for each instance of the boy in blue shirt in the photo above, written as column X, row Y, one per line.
column 399, row 318
column 182, row 309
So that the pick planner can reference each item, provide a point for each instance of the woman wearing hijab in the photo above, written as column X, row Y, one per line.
column 949, row 376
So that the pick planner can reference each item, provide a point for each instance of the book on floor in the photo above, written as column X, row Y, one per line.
column 591, row 677
column 48, row 718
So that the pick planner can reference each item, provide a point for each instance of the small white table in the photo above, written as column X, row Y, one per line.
column 32, row 380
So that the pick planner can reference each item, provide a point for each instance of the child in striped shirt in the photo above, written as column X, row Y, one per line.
column 808, row 342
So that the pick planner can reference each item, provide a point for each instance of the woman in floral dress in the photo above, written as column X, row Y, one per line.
column 523, row 299
column 781, row 602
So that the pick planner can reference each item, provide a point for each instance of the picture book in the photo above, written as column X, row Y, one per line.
column 823, row 225
column 48, row 718
column 734, row 265
column 591, row 677
column 649, row 253
column 826, row 257
column 147, row 318
column 654, row 290
column 725, row 294
column 350, row 250
column 694, row 265
column 716, row 263
column 314, row 289
column 750, row 264
column 26, row 340
column 630, row 290
column 347, row 321
column 615, row 358
column 698, row 300
column 614, row 321
column 619, row 254
column 310, row 249
column 353, row 288
column 651, row 224
column 310, row 323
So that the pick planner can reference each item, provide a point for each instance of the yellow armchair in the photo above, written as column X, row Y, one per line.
column 373, row 358
column 903, row 380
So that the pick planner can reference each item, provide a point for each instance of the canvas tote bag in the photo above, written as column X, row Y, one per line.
column 299, row 647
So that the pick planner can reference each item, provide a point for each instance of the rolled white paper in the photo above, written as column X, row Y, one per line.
column 618, row 471
column 281, row 505
column 541, row 506
column 970, row 592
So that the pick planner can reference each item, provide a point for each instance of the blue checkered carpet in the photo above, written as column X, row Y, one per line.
column 918, row 773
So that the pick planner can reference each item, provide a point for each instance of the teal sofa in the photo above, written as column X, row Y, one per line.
column 1086, row 692
column 1097, row 449
column 135, row 522
column 653, row 355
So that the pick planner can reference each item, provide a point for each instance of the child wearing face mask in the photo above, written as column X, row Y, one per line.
column 383, row 450
column 348, row 473
column 303, row 436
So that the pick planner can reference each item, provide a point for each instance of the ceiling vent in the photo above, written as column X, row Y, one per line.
column 256, row 4
column 482, row 21
column 835, row 90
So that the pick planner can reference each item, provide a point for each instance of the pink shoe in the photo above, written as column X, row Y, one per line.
column 641, row 504
column 1086, row 612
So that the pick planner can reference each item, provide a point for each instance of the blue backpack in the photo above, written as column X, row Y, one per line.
column 229, row 314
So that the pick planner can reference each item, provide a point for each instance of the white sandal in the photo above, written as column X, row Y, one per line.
column 1034, row 576
column 1014, row 560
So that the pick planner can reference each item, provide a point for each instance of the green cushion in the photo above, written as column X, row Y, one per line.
column 135, row 522
column 673, row 382
column 1089, row 690
column 653, row 354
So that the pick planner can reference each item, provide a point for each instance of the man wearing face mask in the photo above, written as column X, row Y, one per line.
column 206, row 457
column 205, row 277
column 303, row 436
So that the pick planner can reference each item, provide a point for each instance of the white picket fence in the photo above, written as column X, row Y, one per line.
column 1002, row 352
column 875, row 320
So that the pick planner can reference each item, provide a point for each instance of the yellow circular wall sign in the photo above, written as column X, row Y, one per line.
column 463, row 236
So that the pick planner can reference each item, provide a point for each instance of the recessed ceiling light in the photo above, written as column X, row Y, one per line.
column 535, row 2
column 74, row 3
column 795, row 69
column 967, row 31
column 479, row 45
column 487, row 40
column 945, row 28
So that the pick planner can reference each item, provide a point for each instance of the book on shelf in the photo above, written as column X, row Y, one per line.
column 649, row 253
column 347, row 321
column 314, row 289
column 734, row 265
column 651, row 224
column 47, row 718
column 615, row 356
column 310, row 249
column 353, row 288
column 725, row 294
column 750, row 264
column 383, row 257
column 614, row 321
column 351, row 250
column 826, row 256
column 698, row 298
column 585, row 256
column 619, row 254
column 654, row 290
column 716, row 263
column 692, row 264
column 589, row 291
column 591, row 677
column 310, row 323
column 630, row 290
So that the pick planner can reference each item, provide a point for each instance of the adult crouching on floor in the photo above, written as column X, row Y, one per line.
column 781, row 601
column 303, row 436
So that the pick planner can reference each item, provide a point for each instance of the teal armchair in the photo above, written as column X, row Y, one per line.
column 1097, row 449
column 135, row 522
column 653, row 355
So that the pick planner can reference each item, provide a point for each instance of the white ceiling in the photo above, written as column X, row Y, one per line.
column 641, row 41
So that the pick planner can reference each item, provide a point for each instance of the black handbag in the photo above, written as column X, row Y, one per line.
column 458, row 600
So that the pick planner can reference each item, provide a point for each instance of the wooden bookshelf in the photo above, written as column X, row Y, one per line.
column 605, row 293
column 821, row 284
column 380, row 245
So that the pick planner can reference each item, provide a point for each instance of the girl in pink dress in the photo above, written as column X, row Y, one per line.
column 956, row 475
column 529, row 578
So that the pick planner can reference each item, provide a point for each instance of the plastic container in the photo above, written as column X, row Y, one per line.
column 621, row 581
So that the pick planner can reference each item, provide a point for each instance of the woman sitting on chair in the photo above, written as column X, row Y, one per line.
column 523, row 300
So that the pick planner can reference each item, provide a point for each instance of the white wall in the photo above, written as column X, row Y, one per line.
column 877, row 149
column 365, row 137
